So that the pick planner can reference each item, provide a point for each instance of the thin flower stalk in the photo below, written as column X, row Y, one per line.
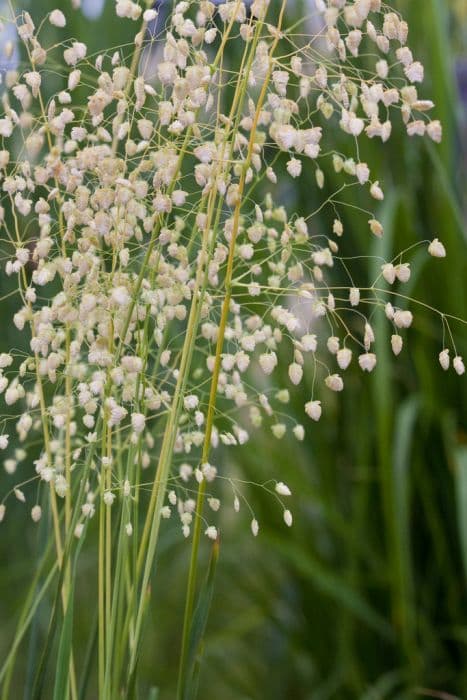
column 191, row 586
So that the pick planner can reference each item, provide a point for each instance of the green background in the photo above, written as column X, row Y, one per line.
column 365, row 597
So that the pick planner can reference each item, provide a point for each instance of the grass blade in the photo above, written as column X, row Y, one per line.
column 27, row 621
column 334, row 587
column 61, row 688
column 460, row 482
column 189, row 679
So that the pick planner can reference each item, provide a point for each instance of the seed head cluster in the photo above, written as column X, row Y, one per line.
column 162, row 284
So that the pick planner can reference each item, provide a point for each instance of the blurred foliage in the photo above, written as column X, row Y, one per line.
column 365, row 597
column 460, row 17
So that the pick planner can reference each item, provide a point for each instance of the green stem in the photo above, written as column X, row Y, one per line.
column 192, row 575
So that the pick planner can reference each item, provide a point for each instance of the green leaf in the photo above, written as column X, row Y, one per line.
column 26, row 620
column 384, row 686
column 197, row 629
column 460, row 481
column 406, row 417
column 61, row 689
column 88, row 660
column 333, row 586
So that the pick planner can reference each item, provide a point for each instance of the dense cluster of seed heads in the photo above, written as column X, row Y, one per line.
column 153, row 260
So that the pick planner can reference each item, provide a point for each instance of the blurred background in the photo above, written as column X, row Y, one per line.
column 365, row 596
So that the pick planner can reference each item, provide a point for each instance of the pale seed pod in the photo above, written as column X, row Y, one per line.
column 268, row 361
column 437, row 249
column 403, row 319
column 396, row 343
column 354, row 296
column 403, row 272
column 344, row 357
column 376, row 228
column 254, row 527
column 367, row 361
column 333, row 344
column 57, row 18
column 36, row 513
column 282, row 489
column 334, row 382
column 211, row 532
column 295, row 373
column 313, row 410
column 309, row 343
column 389, row 273
column 278, row 430
column 108, row 498
column 299, row 432
column 444, row 359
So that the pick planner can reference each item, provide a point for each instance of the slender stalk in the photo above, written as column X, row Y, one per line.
column 101, row 570
column 160, row 481
column 151, row 527
column 68, row 399
column 191, row 586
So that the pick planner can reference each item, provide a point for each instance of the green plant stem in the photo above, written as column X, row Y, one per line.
column 150, row 533
column 191, row 586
